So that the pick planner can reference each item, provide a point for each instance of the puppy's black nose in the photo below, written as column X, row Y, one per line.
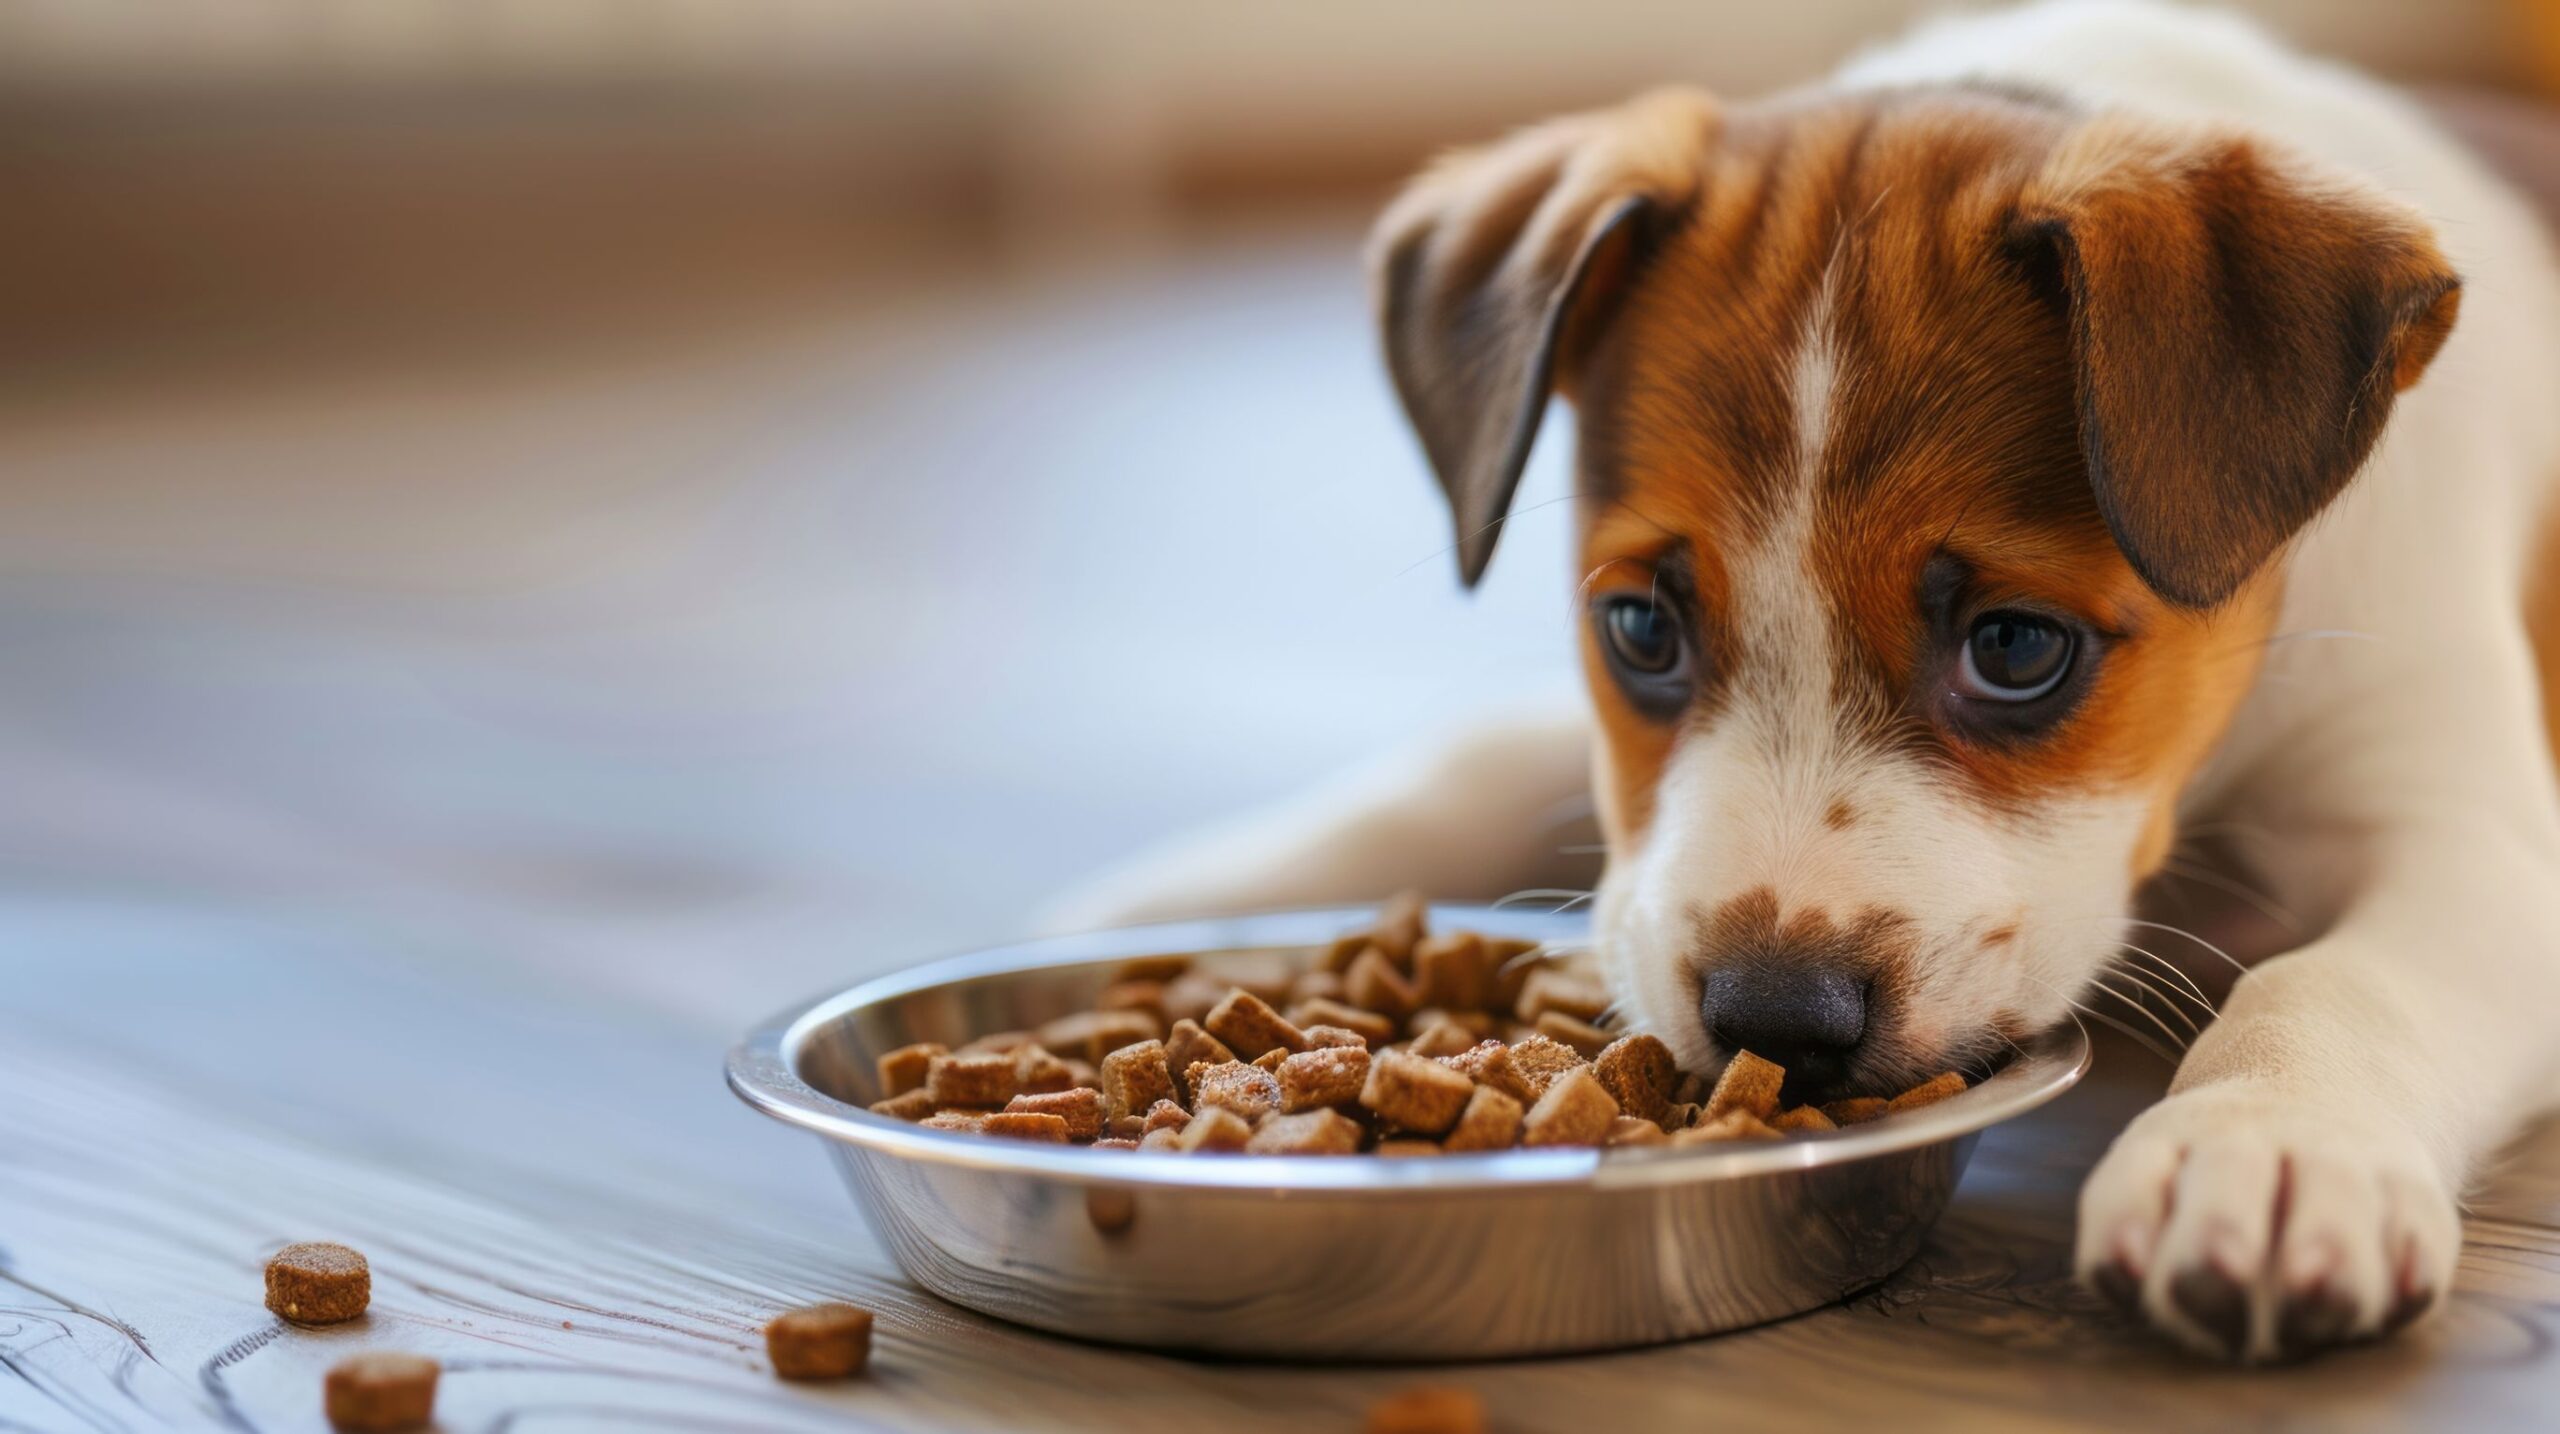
column 1807, row 1019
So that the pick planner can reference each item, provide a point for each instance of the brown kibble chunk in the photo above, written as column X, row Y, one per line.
column 1576, row 1110
column 1329, row 1077
column 1587, row 1040
column 1270, row 1060
column 912, row 1106
column 1402, row 923
column 1415, row 1092
column 1165, row 1115
column 1215, row 1128
column 1159, row 969
column 1193, row 996
column 316, row 1282
column 1311, row 1132
column 1315, row 986
column 1639, row 1074
column 1427, row 1409
column 1552, row 990
column 958, row 1079
column 1374, row 1029
column 1445, row 1039
column 826, row 1341
column 1130, row 1127
column 1147, row 996
column 969, row 1122
column 1856, row 1110
column 1407, row 1145
column 1001, row 1043
column 1337, row 958
column 1491, row 1121
column 1036, row 1072
column 1479, row 1025
column 1451, row 970
column 1092, row 1035
column 1113, row 1142
column 1329, row 1037
column 1634, row 1130
column 1025, row 1125
column 1680, row 1115
column 903, row 1069
column 1134, row 1078
column 1164, row 1139
column 1748, row 1083
column 1511, row 962
column 1189, row 1046
column 1374, row 984
column 1540, row 1059
column 1802, row 1118
column 1928, row 1092
column 1081, row 1108
column 1235, row 1087
column 1488, row 1064
column 379, row 1392
column 1250, row 1027
column 1736, row 1124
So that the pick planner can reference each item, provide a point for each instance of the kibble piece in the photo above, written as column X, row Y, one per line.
column 1928, row 1092
column 1001, row 1043
column 1214, row 1128
column 1159, row 969
column 1193, row 996
column 1587, row 1040
column 967, row 1122
column 1266, row 976
column 1374, row 1029
column 903, row 1069
column 983, row 1079
column 1748, row 1083
column 826, row 1341
column 1445, row 1039
column 1634, row 1130
column 1128, row 1127
column 1406, row 1145
column 1576, row 1110
column 1329, row 1077
column 1539, row 1060
column 1323, row 1037
column 1373, row 983
column 1735, row 1124
column 1802, row 1118
column 1036, row 1072
column 1427, row 1409
column 1311, row 1132
column 1489, row 1064
column 1640, row 1073
column 1165, row 1139
column 316, row 1282
column 1189, row 1046
column 1337, row 958
column 1491, row 1121
column 914, row 1105
column 1451, row 970
column 1512, row 962
column 1147, row 996
column 1402, row 923
column 1082, row 1073
column 1315, row 986
column 1415, row 1092
column 379, row 1392
column 1113, row 1142
column 1234, row 1087
column 1135, row 1078
column 1479, row 1025
column 1250, row 1027
column 1681, row 1114
column 1856, row 1110
column 1165, row 1115
column 1551, row 990
column 1096, row 1034
column 1082, row 1108
column 1270, row 1060
column 1025, row 1125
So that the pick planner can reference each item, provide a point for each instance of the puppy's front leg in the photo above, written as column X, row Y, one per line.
column 2297, row 1189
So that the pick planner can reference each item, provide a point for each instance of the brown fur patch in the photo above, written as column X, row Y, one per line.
column 1839, row 816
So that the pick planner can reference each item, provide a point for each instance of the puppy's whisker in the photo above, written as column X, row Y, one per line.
column 2102, row 1018
column 2263, row 904
column 1568, row 896
column 2134, row 1004
column 2185, row 981
column 2227, row 958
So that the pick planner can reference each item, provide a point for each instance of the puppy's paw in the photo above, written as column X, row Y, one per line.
column 2255, row 1226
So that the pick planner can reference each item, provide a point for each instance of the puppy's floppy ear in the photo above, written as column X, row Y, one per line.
column 1495, row 267
column 2239, row 326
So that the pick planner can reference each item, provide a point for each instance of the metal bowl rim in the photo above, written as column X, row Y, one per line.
column 763, row 1071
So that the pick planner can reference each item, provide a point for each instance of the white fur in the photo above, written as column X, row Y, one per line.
column 2317, row 1135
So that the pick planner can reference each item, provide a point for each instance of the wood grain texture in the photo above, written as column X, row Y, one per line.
column 569, row 1281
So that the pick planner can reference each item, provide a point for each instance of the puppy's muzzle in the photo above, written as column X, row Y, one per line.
column 1806, row 1018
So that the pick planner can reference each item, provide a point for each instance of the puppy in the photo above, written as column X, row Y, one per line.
column 1959, row 442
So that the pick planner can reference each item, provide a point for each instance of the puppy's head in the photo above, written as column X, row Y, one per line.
column 1938, row 450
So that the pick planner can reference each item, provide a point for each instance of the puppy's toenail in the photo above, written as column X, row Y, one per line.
column 2117, row 1285
column 2216, row 1303
column 2312, row 1321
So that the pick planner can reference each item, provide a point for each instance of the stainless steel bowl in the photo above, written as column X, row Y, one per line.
column 1350, row 1257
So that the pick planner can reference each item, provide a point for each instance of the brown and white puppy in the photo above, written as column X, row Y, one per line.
column 1956, row 440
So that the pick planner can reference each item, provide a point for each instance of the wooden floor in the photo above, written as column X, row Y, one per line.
column 411, row 788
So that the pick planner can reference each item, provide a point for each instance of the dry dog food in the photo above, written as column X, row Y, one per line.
column 1427, row 1409
column 318, row 1283
column 380, row 1392
column 826, row 1341
column 1395, row 1040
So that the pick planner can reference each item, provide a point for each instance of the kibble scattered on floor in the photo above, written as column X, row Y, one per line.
column 318, row 1283
column 828, row 1341
column 381, row 1392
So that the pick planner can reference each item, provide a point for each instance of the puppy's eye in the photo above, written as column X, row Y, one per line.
column 1643, row 635
column 2014, row 657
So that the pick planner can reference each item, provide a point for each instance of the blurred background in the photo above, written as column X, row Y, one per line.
column 696, row 498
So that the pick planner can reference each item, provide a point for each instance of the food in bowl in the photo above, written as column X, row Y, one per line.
column 1392, row 1041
